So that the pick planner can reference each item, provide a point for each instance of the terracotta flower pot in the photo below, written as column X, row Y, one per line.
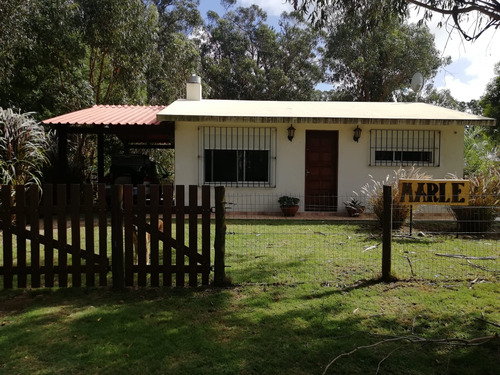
column 289, row 210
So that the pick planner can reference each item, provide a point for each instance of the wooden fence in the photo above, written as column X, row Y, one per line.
column 71, row 235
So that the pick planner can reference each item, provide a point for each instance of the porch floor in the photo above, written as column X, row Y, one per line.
column 329, row 216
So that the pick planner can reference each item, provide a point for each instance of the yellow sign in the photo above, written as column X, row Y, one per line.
column 439, row 192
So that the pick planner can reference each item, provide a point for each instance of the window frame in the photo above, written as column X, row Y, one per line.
column 390, row 147
column 242, row 140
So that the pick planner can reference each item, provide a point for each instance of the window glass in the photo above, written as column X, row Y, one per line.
column 405, row 147
column 238, row 156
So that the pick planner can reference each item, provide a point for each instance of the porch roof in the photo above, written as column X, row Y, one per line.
column 109, row 115
column 135, row 125
column 386, row 113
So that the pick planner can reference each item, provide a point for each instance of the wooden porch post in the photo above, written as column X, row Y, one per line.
column 62, row 139
column 100, row 157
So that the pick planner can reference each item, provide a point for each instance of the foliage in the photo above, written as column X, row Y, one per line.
column 12, row 34
column 490, row 102
column 375, row 63
column 484, row 202
column 243, row 58
column 120, row 36
column 63, row 55
column 177, row 54
column 44, row 60
column 373, row 191
column 166, row 78
column 22, row 148
column 287, row 201
column 481, row 153
column 485, row 13
column 354, row 206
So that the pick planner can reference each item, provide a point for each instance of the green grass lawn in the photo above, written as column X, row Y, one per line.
column 251, row 329
column 295, row 251
column 303, row 294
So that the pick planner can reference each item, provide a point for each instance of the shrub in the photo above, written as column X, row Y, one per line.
column 22, row 148
column 484, row 202
column 286, row 201
column 375, row 195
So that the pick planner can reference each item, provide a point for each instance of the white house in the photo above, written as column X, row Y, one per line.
column 319, row 151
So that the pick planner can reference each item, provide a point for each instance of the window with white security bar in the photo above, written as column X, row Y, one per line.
column 405, row 147
column 233, row 156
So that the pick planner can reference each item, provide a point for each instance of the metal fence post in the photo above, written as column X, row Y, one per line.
column 387, row 234
column 220, row 237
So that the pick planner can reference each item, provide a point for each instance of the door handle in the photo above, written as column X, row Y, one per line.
column 307, row 173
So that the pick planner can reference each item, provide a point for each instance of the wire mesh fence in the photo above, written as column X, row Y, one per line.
column 263, row 246
column 429, row 243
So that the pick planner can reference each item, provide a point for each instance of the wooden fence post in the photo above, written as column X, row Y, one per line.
column 387, row 234
column 117, row 265
column 220, row 237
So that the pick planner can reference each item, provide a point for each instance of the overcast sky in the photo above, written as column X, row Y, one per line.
column 466, row 77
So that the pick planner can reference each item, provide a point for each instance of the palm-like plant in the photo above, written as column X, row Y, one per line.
column 23, row 142
column 484, row 202
column 374, row 193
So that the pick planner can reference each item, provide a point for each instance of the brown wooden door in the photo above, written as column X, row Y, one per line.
column 321, row 170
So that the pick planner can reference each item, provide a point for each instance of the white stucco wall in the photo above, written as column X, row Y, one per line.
column 353, row 168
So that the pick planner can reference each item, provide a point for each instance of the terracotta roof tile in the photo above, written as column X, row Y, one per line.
column 110, row 115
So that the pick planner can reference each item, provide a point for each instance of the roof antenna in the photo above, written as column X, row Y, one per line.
column 417, row 83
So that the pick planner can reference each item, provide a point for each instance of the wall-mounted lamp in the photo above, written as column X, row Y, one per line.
column 291, row 133
column 357, row 134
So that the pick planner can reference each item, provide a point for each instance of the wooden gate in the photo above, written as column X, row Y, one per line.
column 176, row 236
column 64, row 236
column 48, row 230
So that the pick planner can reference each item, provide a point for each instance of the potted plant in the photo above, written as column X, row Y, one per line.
column 289, row 205
column 484, row 204
column 354, row 207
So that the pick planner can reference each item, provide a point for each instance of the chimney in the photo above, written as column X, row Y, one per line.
column 193, row 88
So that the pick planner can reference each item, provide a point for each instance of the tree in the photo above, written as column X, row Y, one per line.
column 486, row 13
column 43, row 59
column 481, row 153
column 120, row 36
column 22, row 148
column 177, row 54
column 377, row 62
column 244, row 58
column 12, row 34
column 490, row 102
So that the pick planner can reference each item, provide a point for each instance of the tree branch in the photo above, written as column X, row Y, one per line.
column 101, row 74
column 415, row 340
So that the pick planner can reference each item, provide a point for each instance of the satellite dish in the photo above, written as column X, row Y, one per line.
column 417, row 82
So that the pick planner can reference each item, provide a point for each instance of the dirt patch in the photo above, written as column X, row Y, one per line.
column 16, row 304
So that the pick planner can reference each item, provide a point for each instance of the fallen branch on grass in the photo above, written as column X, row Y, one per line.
column 408, row 237
column 481, row 267
column 461, row 256
column 412, row 339
column 371, row 247
column 411, row 265
column 487, row 321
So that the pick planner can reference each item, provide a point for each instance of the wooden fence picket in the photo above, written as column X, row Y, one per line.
column 8, row 277
column 48, row 232
column 34, row 221
column 168, row 197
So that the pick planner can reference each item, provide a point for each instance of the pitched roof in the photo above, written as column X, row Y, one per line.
column 244, row 111
column 109, row 115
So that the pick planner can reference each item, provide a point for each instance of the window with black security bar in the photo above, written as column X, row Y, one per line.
column 234, row 156
column 405, row 147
